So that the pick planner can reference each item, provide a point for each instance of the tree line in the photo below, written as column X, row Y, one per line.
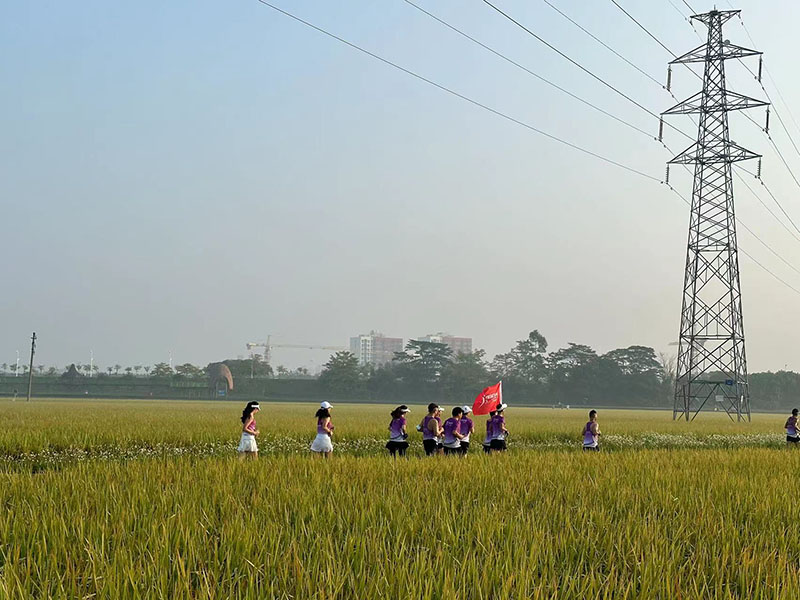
column 574, row 375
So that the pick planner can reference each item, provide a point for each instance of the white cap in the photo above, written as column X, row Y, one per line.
column 325, row 404
column 501, row 407
column 405, row 410
column 466, row 409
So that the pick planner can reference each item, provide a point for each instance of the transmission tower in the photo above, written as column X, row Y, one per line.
column 712, row 364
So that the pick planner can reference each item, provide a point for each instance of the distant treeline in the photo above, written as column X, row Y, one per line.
column 427, row 371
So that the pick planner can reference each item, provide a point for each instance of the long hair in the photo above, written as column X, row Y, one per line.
column 248, row 410
column 323, row 413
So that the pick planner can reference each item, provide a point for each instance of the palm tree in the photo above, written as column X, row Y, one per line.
column 147, row 370
column 110, row 370
column 116, row 369
column 137, row 368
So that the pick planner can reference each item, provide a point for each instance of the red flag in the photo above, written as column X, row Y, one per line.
column 488, row 399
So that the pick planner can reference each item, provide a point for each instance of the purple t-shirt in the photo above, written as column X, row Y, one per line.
column 396, row 428
column 321, row 427
column 426, row 432
column 497, row 426
column 451, row 426
column 589, row 438
column 489, row 430
column 466, row 427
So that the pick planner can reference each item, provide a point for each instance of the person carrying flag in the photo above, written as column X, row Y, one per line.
column 499, row 431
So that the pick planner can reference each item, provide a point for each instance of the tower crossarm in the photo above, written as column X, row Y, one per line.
column 709, row 154
column 724, row 51
column 726, row 102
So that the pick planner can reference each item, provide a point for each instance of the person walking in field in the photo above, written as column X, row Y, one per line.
column 499, row 431
column 487, row 440
column 467, row 428
column 247, row 444
column 791, row 427
column 591, row 433
column 397, row 432
column 452, row 432
column 431, row 428
column 322, row 444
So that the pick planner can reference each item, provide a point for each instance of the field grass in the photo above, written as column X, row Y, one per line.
column 656, row 517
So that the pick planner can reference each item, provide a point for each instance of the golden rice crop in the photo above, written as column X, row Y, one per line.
column 673, row 511
column 552, row 524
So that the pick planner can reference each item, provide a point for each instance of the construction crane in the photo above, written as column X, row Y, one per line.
column 268, row 346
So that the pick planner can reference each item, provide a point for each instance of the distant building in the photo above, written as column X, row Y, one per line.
column 375, row 348
column 459, row 345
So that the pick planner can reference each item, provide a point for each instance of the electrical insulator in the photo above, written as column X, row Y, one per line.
column 766, row 128
column 669, row 78
column 661, row 129
column 760, row 66
column 758, row 170
column 666, row 176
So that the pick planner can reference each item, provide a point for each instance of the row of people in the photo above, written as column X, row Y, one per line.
column 450, row 438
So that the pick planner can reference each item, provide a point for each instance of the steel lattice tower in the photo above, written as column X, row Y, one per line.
column 712, row 363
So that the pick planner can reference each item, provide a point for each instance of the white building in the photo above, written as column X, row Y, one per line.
column 375, row 348
column 459, row 345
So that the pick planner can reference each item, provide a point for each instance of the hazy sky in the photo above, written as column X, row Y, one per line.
column 190, row 176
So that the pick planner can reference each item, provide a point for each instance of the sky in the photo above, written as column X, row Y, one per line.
column 180, row 178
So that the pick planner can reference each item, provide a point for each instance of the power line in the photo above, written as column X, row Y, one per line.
column 606, row 46
column 746, row 253
column 766, row 206
column 689, row 6
column 500, row 114
column 459, row 95
column 530, row 72
column 582, row 68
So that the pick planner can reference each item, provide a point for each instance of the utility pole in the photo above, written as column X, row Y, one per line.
column 712, row 363
column 30, row 368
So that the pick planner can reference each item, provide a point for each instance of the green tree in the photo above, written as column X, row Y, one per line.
column 422, row 362
column 464, row 376
column 162, row 369
column 189, row 371
column 341, row 375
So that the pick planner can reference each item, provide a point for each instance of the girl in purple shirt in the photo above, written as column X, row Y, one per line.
column 499, row 431
column 247, row 443
column 322, row 444
column 397, row 443
column 467, row 428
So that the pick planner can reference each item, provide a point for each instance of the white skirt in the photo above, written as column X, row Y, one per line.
column 247, row 443
column 322, row 443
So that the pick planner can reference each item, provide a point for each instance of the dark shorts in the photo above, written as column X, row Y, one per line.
column 793, row 439
column 498, row 445
column 464, row 447
column 430, row 446
column 592, row 448
column 400, row 447
column 451, row 451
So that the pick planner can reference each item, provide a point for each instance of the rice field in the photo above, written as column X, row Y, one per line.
column 119, row 500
